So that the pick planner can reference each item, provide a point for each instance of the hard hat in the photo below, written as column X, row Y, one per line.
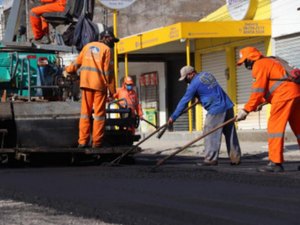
column 249, row 53
column 128, row 80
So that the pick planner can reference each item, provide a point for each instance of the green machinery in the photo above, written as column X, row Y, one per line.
column 39, row 109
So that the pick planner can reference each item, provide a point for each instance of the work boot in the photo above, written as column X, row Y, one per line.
column 97, row 146
column 44, row 40
column 208, row 163
column 271, row 168
column 83, row 146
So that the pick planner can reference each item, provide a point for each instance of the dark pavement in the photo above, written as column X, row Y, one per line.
column 178, row 192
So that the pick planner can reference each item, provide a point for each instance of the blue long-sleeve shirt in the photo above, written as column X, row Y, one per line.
column 205, row 87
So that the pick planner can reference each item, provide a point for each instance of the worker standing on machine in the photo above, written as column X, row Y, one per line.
column 269, row 86
column 97, row 82
column 131, row 99
column 205, row 87
column 40, row 27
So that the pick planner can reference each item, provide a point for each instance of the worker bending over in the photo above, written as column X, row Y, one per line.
column 283, row 95
column 205, row 87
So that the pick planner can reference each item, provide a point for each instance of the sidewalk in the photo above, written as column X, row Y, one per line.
column 252, row 143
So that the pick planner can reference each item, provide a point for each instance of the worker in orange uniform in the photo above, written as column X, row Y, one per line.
column 130, row 97
column 40, row 27
column 97, row 82
column 284, row 97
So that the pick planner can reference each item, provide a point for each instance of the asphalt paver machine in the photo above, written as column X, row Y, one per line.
column 39, row 108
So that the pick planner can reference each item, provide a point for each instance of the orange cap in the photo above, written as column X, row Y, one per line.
column 249, row 53
column 128, row 80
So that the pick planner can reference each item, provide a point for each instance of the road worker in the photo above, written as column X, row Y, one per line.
column 205, row 87
column 40, row 27
column 284, row 97
column 97, row 82
column 130, row 97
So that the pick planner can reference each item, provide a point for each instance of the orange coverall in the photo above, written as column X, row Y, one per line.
column 284, row 97
column 132, row 101
column 96, row 76
column 38, row 25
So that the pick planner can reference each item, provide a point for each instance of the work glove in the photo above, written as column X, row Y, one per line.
column 242, row 114
column 65, row 74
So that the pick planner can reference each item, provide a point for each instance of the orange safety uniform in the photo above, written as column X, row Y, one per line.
column 38, row 24
column 131, row 100
column 284, row 97
column 96, row 78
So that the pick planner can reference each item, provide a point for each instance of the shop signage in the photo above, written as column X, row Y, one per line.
column 116, row 4
column 242, row 9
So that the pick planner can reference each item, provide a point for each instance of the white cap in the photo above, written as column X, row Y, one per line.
column 185, row 71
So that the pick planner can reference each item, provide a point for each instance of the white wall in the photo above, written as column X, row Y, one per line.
column 144, row 67
column 1, row 23
column 285, row 17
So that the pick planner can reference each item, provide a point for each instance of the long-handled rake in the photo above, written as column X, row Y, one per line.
column 161, row 133
column 160, row 162
column 117, row 160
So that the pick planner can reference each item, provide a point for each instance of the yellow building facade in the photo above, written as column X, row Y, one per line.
column 215, row 42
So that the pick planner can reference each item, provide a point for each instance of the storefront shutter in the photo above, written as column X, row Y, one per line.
column 255, row 120
column 215, row 63
column 287, row 48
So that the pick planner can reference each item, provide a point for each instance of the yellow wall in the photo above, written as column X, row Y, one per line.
column 206, row 45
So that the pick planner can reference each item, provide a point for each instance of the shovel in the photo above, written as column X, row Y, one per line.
column 192, row 142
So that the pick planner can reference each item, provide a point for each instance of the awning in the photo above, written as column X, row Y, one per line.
column 193, row 30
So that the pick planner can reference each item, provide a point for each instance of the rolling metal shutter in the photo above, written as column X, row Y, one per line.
column 287, row 48
column 255, row 120
column 215, row 63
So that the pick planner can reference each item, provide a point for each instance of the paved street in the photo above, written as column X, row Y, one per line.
column 178, row 192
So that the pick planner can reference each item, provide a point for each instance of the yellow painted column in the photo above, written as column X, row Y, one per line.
column 188, row 62
column 126, row 64
column 268, row 48
column 231, row 76
column 116, row 66
column 199, row 109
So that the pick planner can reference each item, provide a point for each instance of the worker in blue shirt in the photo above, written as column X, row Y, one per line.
column 219, row 107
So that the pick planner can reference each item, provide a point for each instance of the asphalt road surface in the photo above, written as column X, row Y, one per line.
column 177, row 193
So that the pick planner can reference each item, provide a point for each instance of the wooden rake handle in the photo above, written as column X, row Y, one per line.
column 118, row 159
column 152, row 124
column 193, row 141
column 161, row 133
